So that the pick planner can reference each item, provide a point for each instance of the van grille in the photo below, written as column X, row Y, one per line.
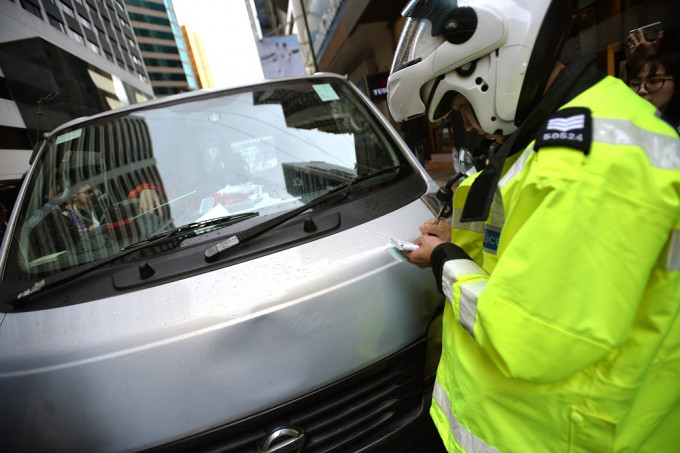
column 345, row 416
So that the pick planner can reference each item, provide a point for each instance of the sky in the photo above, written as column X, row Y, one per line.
column 227, row 37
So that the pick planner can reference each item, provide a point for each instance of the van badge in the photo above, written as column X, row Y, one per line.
column 284, row 440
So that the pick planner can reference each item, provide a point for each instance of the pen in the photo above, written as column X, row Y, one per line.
column 440, row 214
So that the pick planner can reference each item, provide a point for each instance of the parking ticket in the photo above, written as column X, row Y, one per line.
column 403, row 245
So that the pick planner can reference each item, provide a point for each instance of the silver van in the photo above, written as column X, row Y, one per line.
column 214, row 271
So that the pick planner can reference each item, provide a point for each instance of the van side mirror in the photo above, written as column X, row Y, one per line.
column 467, row 163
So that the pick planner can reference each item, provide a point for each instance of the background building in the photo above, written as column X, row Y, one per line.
column 198, row 57
column 59, row 60
column 163, row 48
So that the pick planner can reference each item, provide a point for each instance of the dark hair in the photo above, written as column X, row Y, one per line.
column 670, row 64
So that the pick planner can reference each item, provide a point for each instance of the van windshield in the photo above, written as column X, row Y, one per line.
column 104, row 184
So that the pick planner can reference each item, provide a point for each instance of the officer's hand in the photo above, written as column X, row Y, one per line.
column 421, row 256
column 442, row 231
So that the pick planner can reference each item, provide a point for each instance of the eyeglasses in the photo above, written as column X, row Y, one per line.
column 650, row 85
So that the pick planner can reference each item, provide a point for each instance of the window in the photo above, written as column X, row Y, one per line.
column 162, row 76
column 93, row 11
column 147, row 5
column 191, row 81
column 165, row 90
column 163, row 62
column 150, row 19
column 31, row 8
column 157, row 48
column 84, row 22
column 66, row 9
column 94, row 47
column 56, row 23
column 155, row 34
column 77, row 36
column 176, row 30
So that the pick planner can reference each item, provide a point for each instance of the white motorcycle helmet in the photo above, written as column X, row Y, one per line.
column 498, row 54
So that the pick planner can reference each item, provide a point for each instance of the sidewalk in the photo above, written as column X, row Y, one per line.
column 440, row 167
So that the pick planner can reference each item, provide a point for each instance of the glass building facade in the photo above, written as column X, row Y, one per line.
column 162, row 44
column 59, row 60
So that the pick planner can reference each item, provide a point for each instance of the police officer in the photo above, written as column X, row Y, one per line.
column 561, row 329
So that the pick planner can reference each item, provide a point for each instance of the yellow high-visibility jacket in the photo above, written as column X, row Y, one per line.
column 561, row 332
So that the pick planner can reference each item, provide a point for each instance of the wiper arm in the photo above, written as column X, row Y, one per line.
column 216, row 250
column 67, row 276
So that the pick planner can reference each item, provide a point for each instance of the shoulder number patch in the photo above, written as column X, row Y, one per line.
column 570, row 128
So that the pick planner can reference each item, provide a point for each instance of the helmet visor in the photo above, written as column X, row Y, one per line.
column 415, row 44
column 422, row 32
column 429, row 9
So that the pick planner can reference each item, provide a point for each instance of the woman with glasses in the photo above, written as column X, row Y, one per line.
column 656, row 79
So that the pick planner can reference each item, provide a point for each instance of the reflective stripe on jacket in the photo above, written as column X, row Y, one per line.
column 566, row 336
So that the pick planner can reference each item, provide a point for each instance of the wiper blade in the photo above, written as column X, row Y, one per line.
column 216, row 250
column 191, row 227
column 69, row 275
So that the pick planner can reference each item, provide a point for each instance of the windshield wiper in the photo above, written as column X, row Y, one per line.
column 192, row 227
column 69, row 275
column 216, row 250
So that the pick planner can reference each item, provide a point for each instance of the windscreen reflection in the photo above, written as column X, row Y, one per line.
column 108, row 183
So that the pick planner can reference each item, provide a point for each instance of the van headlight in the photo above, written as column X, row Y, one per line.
column 433, row 348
